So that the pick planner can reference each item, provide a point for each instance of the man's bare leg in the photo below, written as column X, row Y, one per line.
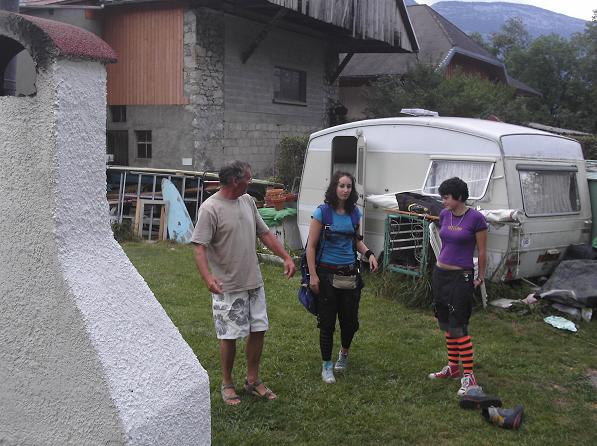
column 254, row 349
column 227, row 354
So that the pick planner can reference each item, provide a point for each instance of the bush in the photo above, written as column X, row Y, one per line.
column 589, row 146
column 123, row 232
column 291, row 158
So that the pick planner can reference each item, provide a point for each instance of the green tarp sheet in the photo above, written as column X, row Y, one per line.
column 271, row 217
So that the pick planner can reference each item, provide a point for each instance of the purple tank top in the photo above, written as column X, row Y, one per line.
column 458, row 237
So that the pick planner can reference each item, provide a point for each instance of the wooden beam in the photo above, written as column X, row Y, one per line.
column 341, row 66
column 263, row 34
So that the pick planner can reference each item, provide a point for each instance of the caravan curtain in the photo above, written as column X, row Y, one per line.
column 475, row 173
column 549, row 192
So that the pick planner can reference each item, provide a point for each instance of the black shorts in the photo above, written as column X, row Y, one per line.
column 453, row 298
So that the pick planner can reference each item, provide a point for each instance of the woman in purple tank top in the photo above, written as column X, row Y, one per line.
column 461, row 230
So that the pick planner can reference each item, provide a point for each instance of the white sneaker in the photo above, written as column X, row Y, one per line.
column 342, row 363
column 327, row 373
column 466, row 382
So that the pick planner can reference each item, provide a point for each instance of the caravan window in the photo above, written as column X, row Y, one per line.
column 549, row 191
column 476, row 174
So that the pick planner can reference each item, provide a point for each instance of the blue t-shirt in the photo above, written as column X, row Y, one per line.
column 337, row 249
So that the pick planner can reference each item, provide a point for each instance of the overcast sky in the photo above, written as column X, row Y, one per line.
column 582, row 9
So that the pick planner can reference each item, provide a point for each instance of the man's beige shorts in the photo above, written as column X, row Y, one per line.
column 240, row 313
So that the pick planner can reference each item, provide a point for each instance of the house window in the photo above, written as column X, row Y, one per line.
column 549, row 192
column 143, row 143
column 118, row 113
column 475, row 174
column 290, row 86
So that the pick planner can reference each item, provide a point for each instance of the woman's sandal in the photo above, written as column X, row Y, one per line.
column 252, row 389
column 230, row 400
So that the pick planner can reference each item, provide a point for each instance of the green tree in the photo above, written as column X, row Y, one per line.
column 550, row 65
column 563, row 70
column 291, row 157
column 478, row 38
column 458, row 95
column 512, row 38
column 415, row 89
column 585, row 44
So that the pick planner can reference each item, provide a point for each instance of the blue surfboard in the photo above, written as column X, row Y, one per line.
column 180, row 225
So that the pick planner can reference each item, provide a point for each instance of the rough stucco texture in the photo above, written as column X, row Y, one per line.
column 88, row 354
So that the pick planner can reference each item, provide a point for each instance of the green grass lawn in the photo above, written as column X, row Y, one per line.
column 385, row 396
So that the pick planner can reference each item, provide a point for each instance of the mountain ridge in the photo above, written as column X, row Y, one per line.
column 488, row 17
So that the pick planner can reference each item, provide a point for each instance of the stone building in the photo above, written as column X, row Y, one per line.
column 203, row 81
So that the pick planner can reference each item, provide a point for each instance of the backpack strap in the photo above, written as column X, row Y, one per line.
column 327, row 219
column 356, row 221
column 354, row 217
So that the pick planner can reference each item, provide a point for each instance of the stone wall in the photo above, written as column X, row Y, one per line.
column 254, row 123
column 231, row 112
column 204, row 84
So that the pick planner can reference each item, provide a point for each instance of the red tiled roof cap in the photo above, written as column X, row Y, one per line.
column 69, row 41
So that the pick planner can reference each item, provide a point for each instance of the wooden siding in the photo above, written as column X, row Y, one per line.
column 473, row 67
column 368, row 19
column 149, row 45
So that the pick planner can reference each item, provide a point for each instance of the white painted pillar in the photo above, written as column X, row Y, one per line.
column 87, row 354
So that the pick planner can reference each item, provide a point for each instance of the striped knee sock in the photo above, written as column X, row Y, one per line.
column 465, row 348
column 452, row 347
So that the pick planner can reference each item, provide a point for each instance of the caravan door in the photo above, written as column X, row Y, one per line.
column 349, row 154
column 360, row 175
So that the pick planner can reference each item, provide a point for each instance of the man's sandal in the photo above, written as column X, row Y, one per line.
column 230, row 400
column 252, row 389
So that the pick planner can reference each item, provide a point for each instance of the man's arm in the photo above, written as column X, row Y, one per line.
column 276, row 247
column 214, row 285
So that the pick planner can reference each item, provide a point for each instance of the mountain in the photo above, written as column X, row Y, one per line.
column 488, row 17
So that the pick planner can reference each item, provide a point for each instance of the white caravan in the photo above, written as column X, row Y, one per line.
column 505, row 166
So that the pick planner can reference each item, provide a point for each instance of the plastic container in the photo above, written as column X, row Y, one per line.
column 278, row 202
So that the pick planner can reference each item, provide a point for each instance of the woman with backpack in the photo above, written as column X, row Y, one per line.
column 332, row 247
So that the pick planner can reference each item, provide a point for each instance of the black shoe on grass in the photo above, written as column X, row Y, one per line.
column 475, row 398
column 506, row 418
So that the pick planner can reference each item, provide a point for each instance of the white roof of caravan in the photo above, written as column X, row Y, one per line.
column 488, row 129
column 505, row 139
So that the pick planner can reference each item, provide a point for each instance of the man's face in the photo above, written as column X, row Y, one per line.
column 241, row 185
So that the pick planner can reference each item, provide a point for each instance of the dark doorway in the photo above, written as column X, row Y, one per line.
column 117, row 145
column 344, row 154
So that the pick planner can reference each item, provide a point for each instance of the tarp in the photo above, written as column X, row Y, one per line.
column 271, row 217
column 573, row 283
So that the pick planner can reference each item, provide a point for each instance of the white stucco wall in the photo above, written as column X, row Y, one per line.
column 88, row 354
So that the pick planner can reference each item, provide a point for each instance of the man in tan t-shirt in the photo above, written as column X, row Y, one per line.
column 225, row 236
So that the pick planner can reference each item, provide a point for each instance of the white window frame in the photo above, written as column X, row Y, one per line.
column 463, row 160
column 544, row 168
column 146, row 144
